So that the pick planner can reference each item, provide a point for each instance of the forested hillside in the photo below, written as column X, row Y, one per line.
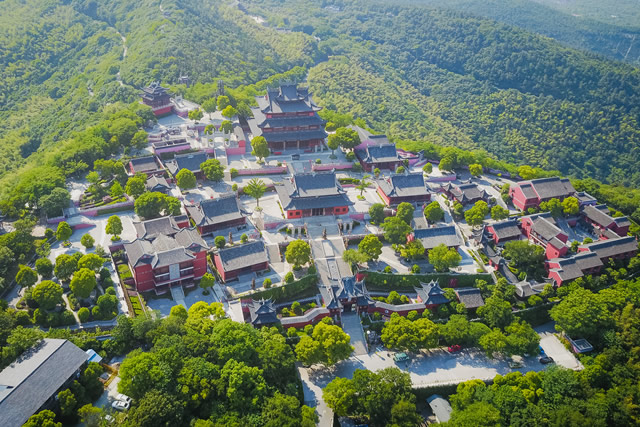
column 520, row 96
column 62, row 63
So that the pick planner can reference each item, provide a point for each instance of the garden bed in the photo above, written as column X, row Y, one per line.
column 406, row 282
column 303, row 288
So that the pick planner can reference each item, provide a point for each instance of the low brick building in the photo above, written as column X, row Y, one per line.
column 383, row 155
column 542, row 230
column 529, row 194
column 210, row 215
column 189, row 161
column 600, row 218
column 563, row 270
column 241, row 259
column 612, row 249
column 399, row 188
column 504, row 231
column 431, row 237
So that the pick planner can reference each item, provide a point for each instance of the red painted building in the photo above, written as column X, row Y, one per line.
column 166, row 255
column 600, row 218
column 504, row 231
column 542, row 230
column 157, row 97
column 400, row 188
column 563, row 270
column 612, row 249
column 313, row 194
column 529, row 194
column 240, row 259
column 380, row 154
column 288, row 119
column 148, row 165
column 210, row 215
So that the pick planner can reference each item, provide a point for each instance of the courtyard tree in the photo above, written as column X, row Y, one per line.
column 54, row 202
column 153, row 204
column 521, row 338
column 83, row 282
column 475, row 216
column 255, row 188
column 433, row 212
column 475, row 169
column 209, row 106
column 376, row 172
column 260, row 148
column 47, row 294
column 223, row 102
column 499, row 213
column 185, row 179
column 196, row 114
column 427, row 168
column 570, row 206
column 220, row 242
column 446, row 164
column 64, row 232
column 443, row 258
column 554, row 206
column 363, row 184
column 376, row 212
column 87, row 241
column 136, row 185
column 333, row 142
column 226, row 126
column 401, row 333
column 328, row 344
column 347, row 138
column 44, row 267
column 229, row 112
column 496, row 311
column 116, row 190
column 395, row 230
column 413, row 250
column 26, row 276
column 91, row 261
column 370, row 246
column 212, row 169
column 494, row 342
column 353, row 257
column 298, row 253
column 405, row 212
column 207, row 281
column 525, row 256
column 114, row 227
column 65, row 266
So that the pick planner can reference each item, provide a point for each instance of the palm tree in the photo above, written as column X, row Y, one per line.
column 363, row 184
column 255, row 188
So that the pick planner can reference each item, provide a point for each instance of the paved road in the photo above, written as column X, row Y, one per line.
column 352, row 326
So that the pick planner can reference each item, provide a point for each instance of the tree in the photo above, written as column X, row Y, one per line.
column 427, row 168
column 285, row 410
column 209, row 106
column 91, row 261
column 363, row 184
column 44, row 418
column 256, row 189
column 260, row 148
column 443, row 258
column 525, row 256
column 65, row 266
column 298, row 253
column 229, row 112
column 333, row 142
column 140, row 140
column 83, row 282
column 84, row 314
column 26, row 276
column 402, row 334
column 68, row 403
column 521, row 338
column 446, row 164
column 404, row 414
column 90, row 415
column 493, row 342
column 44, row 267
column 185, row 179
column 114, row 226
column 370, row 246
column 64, row 232
column 347, row 138
column 526, row 172
column 47, row 294
column 116, row 190
column 433, row 212
column 570, row 206
column 246, row 387
column 340, row 395
column 122, row 130
column 226, row 126
column 7, row 259
column 220, row 242
column 458, row 330
column 478, row 414
column 400, row 170
column 87, row 241
column 499, row 213
column 413, row 250
column 475, row 169
column 212, row 170
column 152, row 204
column 554, row 206
column 475, row 215
column 223, row 102
column 328, row 344
column 496, row 311
column 54, row 202
column 196, row 114
column 405, row 212
column 207, row 281
column 376, row 212
column 354, row 257
column 395, row 230
column 141, row 372
column 136, row 185
column 582, row 314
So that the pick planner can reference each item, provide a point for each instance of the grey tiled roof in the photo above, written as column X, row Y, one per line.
column 470, row 297
column 574, row 267
column 545, row 226
column 549, row 188
column 160, row 250
column 434, row 236
column 431, row 293
column 243, row 255
column 466, row 192
column 401, row 307
column 379, row 153
column 309, row 316
column 157, row 183
column 144, row 164
column 311, row 190
column 506, row 229
column 189, row 161
column 35, row 376
column 612, row 247
column 401, row 185
column 287, row 98
column 527, row 190
column 600, row 215
column 152, row 228
column 215, row 211
column 262, row 312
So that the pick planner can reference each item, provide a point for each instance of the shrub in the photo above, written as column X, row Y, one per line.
column 244, row 238
column 233, row 172
column 288, row 278
column 357, row 167
column 266, row 283
column 22, row 318
column 87, row 241
column 387, row 269
column 318, row 161
column 84, row 314
column 234, row 187
column 312, row 270
column 415, row 269
column 351, row 156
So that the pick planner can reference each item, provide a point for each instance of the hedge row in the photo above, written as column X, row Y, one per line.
column 536, row 316
column 304, row 287
column 383, row 281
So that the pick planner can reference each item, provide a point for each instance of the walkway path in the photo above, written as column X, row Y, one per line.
column 75, row 315
column 353, row 327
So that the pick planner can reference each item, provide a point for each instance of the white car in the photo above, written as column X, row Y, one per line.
column 121, row 406
column 123, row 398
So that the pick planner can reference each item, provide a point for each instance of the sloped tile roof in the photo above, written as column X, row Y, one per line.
column 401, row 185
column 144, row 164
column 434, row 236
column 312, row 190
column 506, row 229
column 612, row 247
column 431, row 293
column 189, row 161
column 470, row 297
column 215, row 211
column 243, row 255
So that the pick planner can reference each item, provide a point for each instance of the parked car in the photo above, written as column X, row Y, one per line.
column 455, row 348
column 123, row 398
column 546, row 360
column 515, row 364
column 400, row 357
column 121, row 406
